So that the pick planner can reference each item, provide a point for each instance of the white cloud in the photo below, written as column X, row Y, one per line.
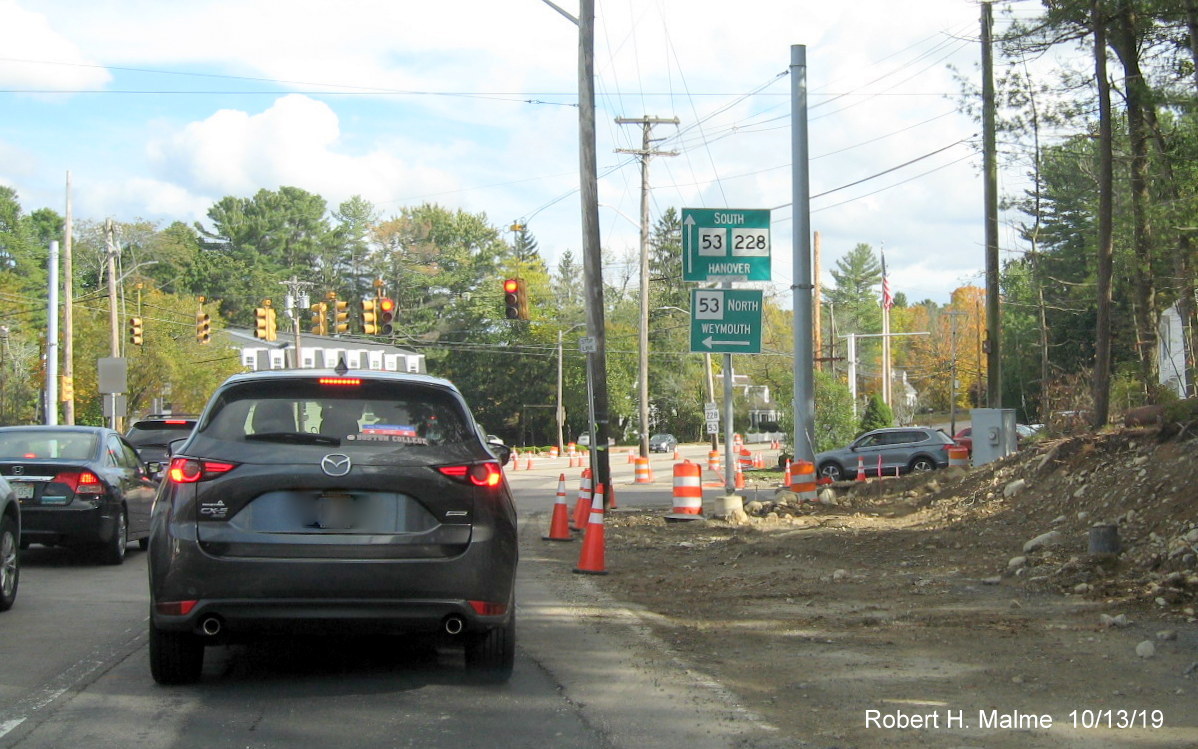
column 510, row 159
column 296, row 141
column 30, row 43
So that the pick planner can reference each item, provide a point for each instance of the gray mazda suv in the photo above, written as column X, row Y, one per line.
column 321, row 501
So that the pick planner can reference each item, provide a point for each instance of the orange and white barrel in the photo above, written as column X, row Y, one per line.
column 746, row 459
column 958, row 456
column 688, row 489
column 802, row 480
column 553, row 452
column 642, row 472
column 572, row 449
column 737, row 441
column 713, row 461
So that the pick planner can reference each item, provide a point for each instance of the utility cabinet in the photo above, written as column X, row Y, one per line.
column 993, row 432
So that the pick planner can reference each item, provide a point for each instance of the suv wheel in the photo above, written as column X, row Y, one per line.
column 491, row 654
column 175, row 657
column 831, row 471
column 113, row 552
column 10, row 563
column 920, row 465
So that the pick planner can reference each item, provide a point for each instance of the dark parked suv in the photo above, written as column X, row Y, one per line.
column 153, row 435
column 887, row 452
column 320, row 501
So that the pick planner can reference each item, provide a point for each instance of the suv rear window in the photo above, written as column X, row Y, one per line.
column 157, row 433
column 373, row 414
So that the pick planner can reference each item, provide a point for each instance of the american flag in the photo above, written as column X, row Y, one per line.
column 887, row 296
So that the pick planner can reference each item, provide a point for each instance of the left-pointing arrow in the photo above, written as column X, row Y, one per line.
column 708, row 342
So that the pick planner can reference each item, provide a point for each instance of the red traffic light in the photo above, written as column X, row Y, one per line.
column 386, row 316
column 511, row 285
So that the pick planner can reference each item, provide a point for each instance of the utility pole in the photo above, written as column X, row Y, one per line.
column 644, row 153
column 296, row 302
column 68, row 313
column 52, row 338
column 990, row 202
column 114, row 338
column 592, row 251
column 952, row 407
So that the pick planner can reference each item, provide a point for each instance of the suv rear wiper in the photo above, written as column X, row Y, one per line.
column 294, row 438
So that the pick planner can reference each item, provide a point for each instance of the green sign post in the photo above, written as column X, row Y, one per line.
column 726, row 321
column 725, row 244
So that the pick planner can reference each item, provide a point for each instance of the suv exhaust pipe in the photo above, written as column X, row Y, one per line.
column 211, row 626
column 454, row 624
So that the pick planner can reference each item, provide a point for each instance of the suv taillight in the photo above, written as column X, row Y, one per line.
column 480, row 474
column 191, row 470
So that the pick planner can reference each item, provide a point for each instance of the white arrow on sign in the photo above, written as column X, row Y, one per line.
column 708, row 342
column 690, row 229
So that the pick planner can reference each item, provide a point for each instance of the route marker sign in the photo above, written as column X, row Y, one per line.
column 725, row 244
column 726, row 321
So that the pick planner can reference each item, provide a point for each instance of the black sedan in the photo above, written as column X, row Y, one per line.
column 78, row 486
column 327, row 502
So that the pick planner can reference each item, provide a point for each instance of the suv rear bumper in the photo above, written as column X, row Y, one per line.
column 232, row 619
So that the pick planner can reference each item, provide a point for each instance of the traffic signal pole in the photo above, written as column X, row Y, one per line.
column 804, row 364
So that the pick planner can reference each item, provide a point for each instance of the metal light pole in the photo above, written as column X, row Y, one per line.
column 561, row 412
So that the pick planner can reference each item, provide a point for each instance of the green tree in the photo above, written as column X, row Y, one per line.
column 877, row 414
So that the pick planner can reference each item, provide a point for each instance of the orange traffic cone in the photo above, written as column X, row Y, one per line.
column 559, row 523
column 677, row 455
column 740, row 477
column 786, row 476
column 590, row 560
column 583, row 505
column 860, row 468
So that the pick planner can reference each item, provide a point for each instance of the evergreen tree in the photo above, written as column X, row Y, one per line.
column 877, row 414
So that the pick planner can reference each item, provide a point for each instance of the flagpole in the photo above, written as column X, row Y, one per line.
column 887, row 301
column 886, row 354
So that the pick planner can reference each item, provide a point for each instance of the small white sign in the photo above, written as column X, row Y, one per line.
column 588, row 345
column 713, row 427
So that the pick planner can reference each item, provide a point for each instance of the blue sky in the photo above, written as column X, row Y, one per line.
column 158, row 109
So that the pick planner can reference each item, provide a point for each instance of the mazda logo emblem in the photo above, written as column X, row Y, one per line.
column 335, row 465
column 18, row 470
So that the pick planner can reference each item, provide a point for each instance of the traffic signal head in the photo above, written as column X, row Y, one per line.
column 370, row 316
column 135, row 331
column 340, row 316
column 511, row 298
column 320, row 318
column 203, row 328
column 272, row 325
column 261, row 323
column 386, row 316
column 515, row 299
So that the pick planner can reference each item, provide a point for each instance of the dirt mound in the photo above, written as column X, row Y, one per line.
column 963, row 588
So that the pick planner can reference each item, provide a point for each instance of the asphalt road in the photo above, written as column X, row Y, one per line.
column 74, row 668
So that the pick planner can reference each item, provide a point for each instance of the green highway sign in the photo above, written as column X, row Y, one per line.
column 726, row 321
column 725, row 244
